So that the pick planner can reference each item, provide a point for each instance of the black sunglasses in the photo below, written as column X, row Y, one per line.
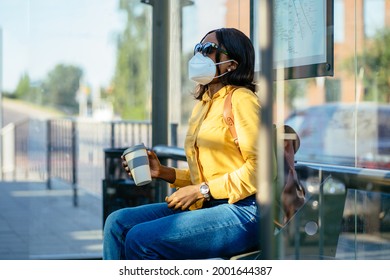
column 207, row 48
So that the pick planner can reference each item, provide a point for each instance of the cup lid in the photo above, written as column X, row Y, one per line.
column 134, row 148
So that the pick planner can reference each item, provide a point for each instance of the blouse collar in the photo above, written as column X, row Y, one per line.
column 219, row 94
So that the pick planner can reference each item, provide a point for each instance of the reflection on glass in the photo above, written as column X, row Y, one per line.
column 366, row 226
column 313, row 232
column 344, row 134
column 311, row 228
column 339, row 221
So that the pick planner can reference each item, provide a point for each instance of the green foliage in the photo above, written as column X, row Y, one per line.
column 373, row 65
column 376, row 63
column 292, row 90
column 61, row 86
column 23, row 88
column 132, row 80
column 295, row 89
column 58, row 90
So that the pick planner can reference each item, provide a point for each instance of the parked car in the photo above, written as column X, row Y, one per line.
column 344, row 134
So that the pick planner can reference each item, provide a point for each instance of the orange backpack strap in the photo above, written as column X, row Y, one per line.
column 293, row 194
column 229, row 117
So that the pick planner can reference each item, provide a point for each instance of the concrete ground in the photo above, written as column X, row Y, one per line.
column 37, row 223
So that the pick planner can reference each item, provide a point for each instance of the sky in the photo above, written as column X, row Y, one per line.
column 39, row 34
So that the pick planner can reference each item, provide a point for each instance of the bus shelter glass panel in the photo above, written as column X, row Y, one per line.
column 344, row 153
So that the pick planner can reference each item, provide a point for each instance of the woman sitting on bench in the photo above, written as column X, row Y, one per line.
column 213, row 212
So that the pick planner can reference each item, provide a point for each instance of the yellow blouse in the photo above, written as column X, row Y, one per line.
column 211, row 153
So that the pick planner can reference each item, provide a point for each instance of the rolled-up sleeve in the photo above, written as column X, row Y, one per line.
column 183, row 178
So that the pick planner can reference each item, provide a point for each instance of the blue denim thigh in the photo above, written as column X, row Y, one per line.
column 119, row 222
column 223, row 230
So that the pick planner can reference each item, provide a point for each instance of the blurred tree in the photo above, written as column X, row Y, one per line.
column 373, row 65
column 27, row 90
column 23, row 88
column 131, row 85
column 295, row 89
column 61, row 86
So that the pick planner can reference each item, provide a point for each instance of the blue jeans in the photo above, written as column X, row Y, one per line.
column 155, row 231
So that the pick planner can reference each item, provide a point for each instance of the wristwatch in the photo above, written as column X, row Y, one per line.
column 205, row 190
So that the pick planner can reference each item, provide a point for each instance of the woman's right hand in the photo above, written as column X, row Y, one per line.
column 154, row 164
column 126, row 166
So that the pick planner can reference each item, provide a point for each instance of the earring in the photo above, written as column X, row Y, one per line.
column 229, row 69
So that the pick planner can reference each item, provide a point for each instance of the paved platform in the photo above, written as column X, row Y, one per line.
column 37, row 223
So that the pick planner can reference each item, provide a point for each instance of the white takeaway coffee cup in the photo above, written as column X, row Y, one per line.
column 138, row 162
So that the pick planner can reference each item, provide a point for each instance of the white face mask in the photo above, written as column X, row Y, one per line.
column 202, row 69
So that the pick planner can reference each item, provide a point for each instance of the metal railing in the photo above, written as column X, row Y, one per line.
column 68, row 149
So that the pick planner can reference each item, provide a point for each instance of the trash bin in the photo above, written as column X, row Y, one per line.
column 119, row 190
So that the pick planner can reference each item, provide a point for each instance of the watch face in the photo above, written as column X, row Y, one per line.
column 204, row 189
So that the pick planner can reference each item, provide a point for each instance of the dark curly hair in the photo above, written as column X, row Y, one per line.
column 240, row 48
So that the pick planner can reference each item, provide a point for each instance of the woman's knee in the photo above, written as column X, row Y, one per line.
column 138, row 243
column 110, row 220
column 114, row 221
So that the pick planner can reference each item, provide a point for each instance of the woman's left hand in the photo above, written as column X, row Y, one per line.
column 184, row 197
